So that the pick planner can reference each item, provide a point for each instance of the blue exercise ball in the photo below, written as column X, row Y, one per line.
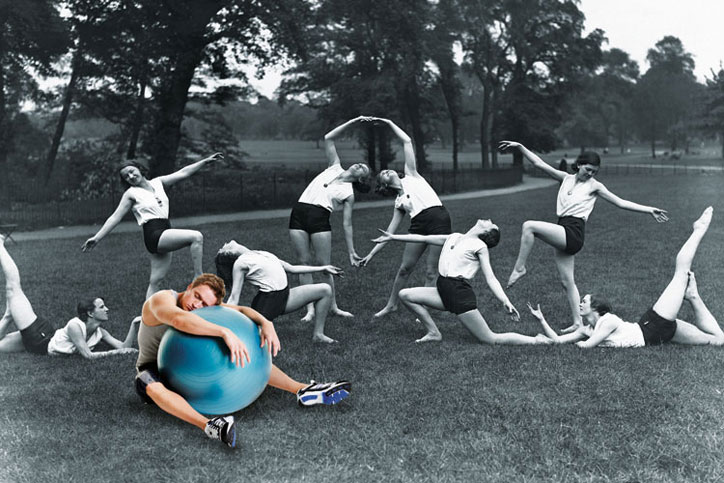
column 200, row 368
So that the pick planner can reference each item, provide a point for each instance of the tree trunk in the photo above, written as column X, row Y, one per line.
column 455, row 129
column 60, row 127
column 412, row 106
column 722, row 144
column 653, row 147
column 4, row 121
column 137, row 120
column 370, row 144
column 384, row 148
column 172, row 100
column 484, row 129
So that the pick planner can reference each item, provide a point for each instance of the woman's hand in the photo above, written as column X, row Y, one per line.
column 214, row 157
column 536, row 312
column 504, row 146
column 659, row 215
column 89, row 244
column 365, row 260
column 332, row 270
column 269, row 336
column 385, row 237
column 512, row 311
column 354, row 259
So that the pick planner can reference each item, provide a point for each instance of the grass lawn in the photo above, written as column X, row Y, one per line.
column 452, row 411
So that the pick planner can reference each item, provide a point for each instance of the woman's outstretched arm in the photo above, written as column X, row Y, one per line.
column 494, row 283
column 397, row 217
column 329, row 147
column 411, row 238
column 504, row 146
column 189, row 170
column 576, row 335
column 659, row 215
column 123, row 206
column 410, row 161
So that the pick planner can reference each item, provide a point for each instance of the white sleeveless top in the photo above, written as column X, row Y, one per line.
column 418, row 195
column 61, row 342
column 626, row 334
column 149, row 205
column 459, row 257
column 265, row 270
column 576, row 199
column 331, row 196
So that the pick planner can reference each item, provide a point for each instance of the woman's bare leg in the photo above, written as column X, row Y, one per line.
column 669, row 303
column 706, row 329
column 410, row 256
column 319, row 294
column 322, row 245
column 160, row 264
column 417, row 299
column 303, row 251
column 174, row 239
column 552, row 234
column 565, row 264
column 18, row 305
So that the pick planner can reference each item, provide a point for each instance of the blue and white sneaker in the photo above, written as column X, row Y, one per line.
column 323, row 393
column 223, row 429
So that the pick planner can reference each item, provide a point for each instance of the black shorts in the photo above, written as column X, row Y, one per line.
column 656, row 329
column 37, row 335
column 309, row 218
column 152, row 231
column 271, row 304
column 431, row 221
column 147, row 374
column 575, row 233
column 457, row 294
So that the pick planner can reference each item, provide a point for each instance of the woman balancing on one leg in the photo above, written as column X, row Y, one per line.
column 414, row 196
column 149, row 203
column 659, row 323
column 463, row 254
column 35, row 334
column 236, row 263
column 309, row 227
column 576, row 197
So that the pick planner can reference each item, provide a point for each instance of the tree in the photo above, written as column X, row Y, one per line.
column 32, row 37
column 711, row 116
column 664, row 94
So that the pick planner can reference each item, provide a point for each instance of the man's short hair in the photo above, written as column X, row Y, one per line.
column 214, row 282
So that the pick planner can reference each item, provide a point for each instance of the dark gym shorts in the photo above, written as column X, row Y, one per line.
column 309, row 218
column 152, row 231
column 37, row 335
column 575, row 233
column 271, row 304
column 457, row 294
column 147, row 374
column 431, row 221
column 656, row 329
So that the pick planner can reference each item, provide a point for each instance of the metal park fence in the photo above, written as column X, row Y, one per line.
column 220, row 191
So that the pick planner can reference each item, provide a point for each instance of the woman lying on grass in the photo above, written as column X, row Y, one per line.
column 659, row 324
column 235, row 263
column 35, row 334
column 462, row 255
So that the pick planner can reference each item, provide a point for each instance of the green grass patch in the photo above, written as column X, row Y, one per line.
column 453, row 411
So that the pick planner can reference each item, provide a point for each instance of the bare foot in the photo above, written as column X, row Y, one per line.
column 515, row 276
column 430, row 337
column 386, row 311
column 308, row 317
column 703, row 222
column 571, row 328
column 323, row 338
column 692, row 290
column 341, row 313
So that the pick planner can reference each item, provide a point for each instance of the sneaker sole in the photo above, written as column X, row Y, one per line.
column 329, row 397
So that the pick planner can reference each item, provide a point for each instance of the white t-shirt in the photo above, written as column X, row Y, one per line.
column 149, row 205
column 331, row 196
column 626, row 334
column 418, row 195
column 265, row 270
column 576, row 199
column 61, row 342
column 459, row 256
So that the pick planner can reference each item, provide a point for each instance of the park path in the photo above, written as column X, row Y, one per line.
column 529, row 183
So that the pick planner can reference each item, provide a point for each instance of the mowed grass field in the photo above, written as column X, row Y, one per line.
column 451, row 411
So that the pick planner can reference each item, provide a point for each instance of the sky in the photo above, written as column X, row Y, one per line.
column 633, row 26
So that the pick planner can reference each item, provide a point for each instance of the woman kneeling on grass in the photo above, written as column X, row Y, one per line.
column 35, row 334
column 659, row 324
column 235, row 262
column 462, row 255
